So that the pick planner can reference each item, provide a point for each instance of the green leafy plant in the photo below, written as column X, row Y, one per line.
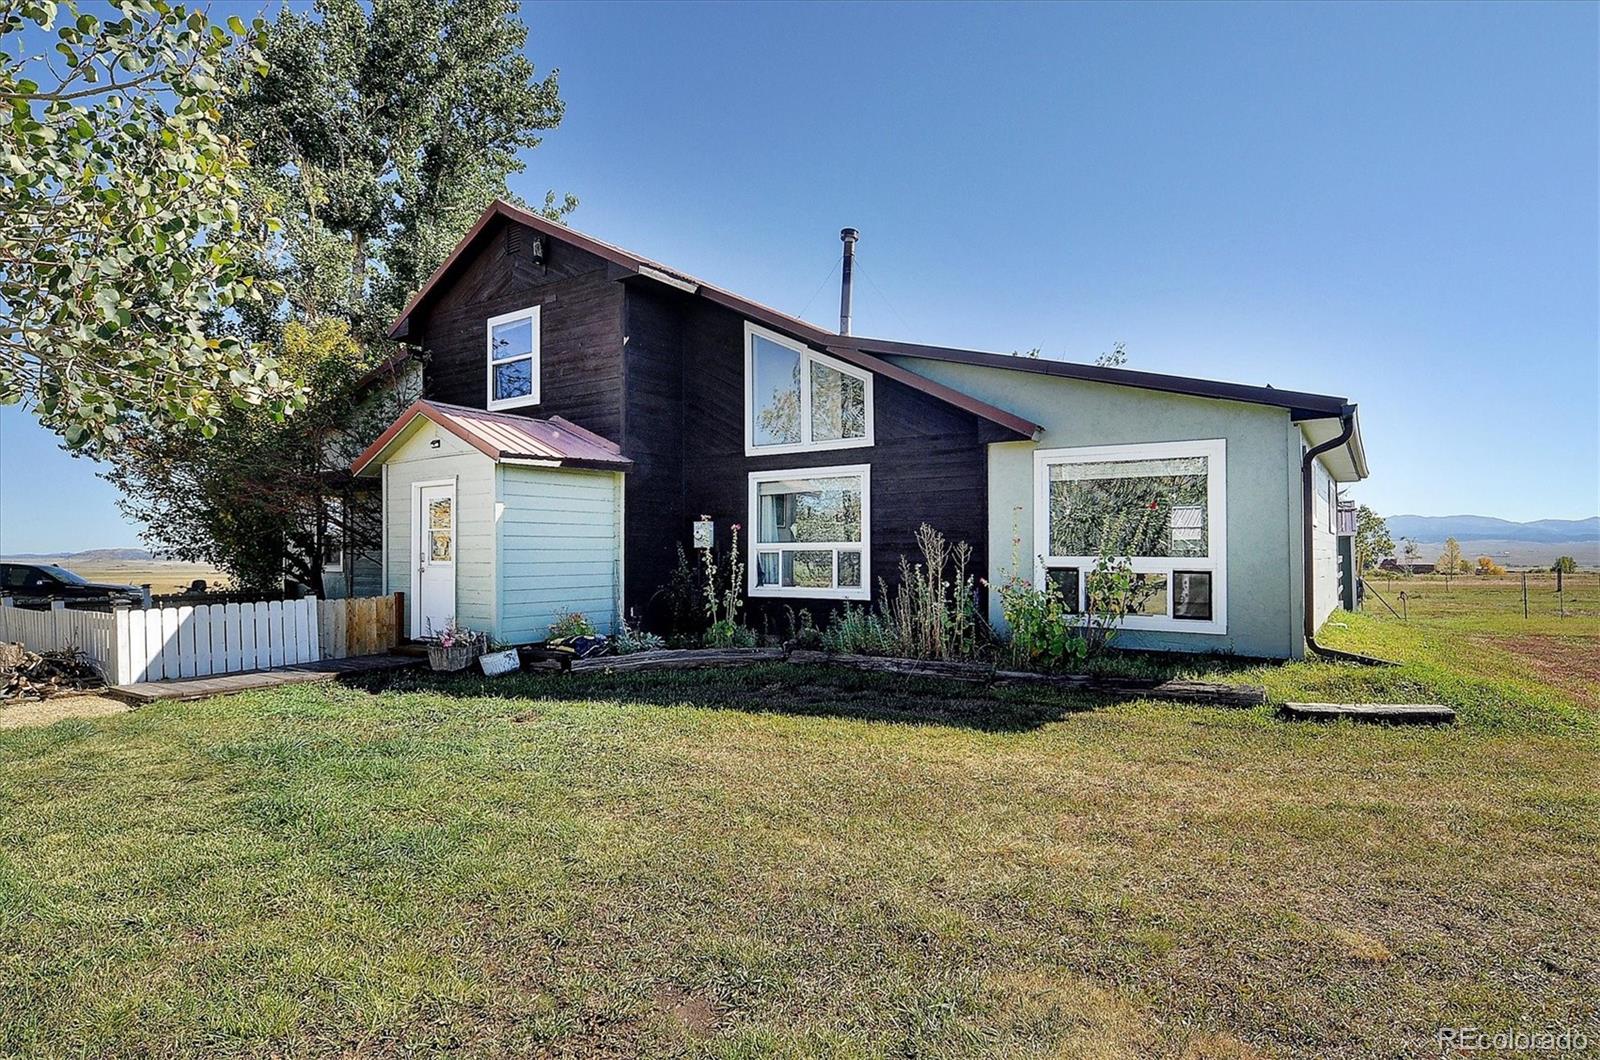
column 128, row 247
column 858, row 631
column 1045, row 630
column 629, row 640
column 572, row 624
column 803, row 631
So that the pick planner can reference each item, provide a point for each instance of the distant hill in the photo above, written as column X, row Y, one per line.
column 1532, row 544
column 1466, row 528
column 93, row 555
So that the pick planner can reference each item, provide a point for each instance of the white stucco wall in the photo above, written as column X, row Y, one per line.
column 1324, row 545
column 1263, row 489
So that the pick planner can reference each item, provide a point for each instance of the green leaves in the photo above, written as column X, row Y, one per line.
column 120, row 231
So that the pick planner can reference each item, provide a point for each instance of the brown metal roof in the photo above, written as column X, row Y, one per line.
column 556, row 441
column 794, row 327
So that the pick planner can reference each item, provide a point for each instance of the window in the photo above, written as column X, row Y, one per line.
column 809, row 533
column 514, row 359
column 333, row 537
column 797, row 399
column 1162, row 505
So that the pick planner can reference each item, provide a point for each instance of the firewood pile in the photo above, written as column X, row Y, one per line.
column 28, row 674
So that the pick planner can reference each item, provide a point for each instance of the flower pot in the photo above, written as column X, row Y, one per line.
column 456, row 657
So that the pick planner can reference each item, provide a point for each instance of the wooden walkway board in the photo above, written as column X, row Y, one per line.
column 1208, row 693
column 1400, row 713
column 203, row 687
column 672, row 659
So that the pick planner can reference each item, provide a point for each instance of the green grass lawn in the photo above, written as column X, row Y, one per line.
column 782, row 862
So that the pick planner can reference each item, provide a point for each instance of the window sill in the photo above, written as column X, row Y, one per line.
column 1152, row 624
column 511, row 403
column 803, row 447
column 779, row 593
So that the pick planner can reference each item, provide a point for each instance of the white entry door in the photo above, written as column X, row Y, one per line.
column 433, row 581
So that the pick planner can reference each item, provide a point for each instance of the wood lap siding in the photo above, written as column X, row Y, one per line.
column 929, row 461
column 662, row 373
column 580, row 354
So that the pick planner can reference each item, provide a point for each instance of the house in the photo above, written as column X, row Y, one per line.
column 583, row 407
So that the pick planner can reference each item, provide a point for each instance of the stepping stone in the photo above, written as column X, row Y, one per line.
column 1398, row 713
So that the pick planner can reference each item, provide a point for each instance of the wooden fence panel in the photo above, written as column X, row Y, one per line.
column 163, row 644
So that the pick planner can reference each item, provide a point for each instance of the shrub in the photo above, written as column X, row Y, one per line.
column 933, row 612
column 683, row 600
column 573, row 624
column 803, row 631
column 629, row 640
column 1045, row 633
column 729, row 634
column 857, row 631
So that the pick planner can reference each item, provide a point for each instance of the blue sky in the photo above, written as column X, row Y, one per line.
column 1397, row 203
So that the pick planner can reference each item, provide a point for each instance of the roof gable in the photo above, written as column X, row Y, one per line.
column 556, row 442
column 631, row 265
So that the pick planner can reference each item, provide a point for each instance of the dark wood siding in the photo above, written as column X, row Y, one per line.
column 653, row 438
column 929, row 461
column 662, row 373
column 580, row 350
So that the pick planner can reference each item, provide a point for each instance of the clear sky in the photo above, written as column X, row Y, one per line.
column 1397, row 203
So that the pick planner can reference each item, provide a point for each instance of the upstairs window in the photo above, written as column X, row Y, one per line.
column 514, row 359
column 333, row 535
column 809, row 533
column 797, row 399
column 1162, row 505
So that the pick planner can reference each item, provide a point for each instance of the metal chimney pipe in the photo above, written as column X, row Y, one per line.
column 849, row 236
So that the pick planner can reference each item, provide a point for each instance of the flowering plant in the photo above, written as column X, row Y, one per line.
column 455, row 634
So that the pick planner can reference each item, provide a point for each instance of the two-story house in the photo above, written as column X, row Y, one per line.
column 583, row 407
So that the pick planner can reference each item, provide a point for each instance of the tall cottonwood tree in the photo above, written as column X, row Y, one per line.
column 379, row 133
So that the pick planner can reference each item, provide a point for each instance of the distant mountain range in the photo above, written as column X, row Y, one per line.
column 1487, row 528
column 1533, row 544
column 93, row 555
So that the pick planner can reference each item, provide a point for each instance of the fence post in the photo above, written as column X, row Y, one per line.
column 57, row 613
column 5, row 618
column 120, row 665
column 1524, row 594
column 144, row 590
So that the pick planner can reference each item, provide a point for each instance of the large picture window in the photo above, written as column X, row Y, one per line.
column 1162, row 505
column 797, row 399
column 514, row 359
column 809, row 533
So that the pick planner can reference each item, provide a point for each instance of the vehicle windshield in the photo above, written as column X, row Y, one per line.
column 65, row 575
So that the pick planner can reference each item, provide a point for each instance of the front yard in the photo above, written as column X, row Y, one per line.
column 784, row 862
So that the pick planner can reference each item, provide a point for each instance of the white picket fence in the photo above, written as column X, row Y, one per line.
column 130, row 645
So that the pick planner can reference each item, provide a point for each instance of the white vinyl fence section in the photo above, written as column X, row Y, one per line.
column 130, row 645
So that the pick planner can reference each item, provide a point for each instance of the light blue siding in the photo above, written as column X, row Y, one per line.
column 559, row 534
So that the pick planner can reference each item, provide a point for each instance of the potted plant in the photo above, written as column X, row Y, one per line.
column 455, row 648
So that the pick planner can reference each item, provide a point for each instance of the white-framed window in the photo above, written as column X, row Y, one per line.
column 798, row 400
column 1164, row 505
column 810, row 532
column 333, row 535
column 513, row 347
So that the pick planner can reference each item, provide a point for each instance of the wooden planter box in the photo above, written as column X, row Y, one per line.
column 455, row 657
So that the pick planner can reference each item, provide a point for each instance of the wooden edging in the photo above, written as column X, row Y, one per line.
column 1205, row 692
column 1395, row 713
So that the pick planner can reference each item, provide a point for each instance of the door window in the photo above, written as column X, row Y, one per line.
column 441, row 531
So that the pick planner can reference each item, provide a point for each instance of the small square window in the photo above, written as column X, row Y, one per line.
column 1065, row 580
column 1191, row 595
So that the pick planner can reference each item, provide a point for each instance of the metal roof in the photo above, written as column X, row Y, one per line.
column 554, row 442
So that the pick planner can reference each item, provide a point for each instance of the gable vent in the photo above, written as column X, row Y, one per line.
column 513, row 241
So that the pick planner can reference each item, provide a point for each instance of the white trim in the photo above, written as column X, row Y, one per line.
column 1215, row 450
column 622, row 549
column 531, row 313
column 808, row 357
column 416, row 546
column 383, row 526
column 344, row 542
column 753, row 546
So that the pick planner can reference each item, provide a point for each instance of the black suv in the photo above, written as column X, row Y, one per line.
column 39, row 581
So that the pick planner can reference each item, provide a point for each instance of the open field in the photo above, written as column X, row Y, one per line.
column 781, row 862
column 163, row 576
